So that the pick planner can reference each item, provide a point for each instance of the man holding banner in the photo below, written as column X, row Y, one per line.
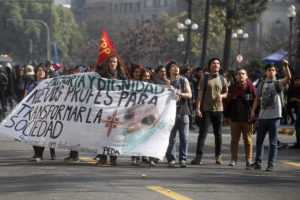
column 183, row 91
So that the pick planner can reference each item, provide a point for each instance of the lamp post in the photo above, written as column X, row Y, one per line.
column 291, row 14
column 188, row 25
column 240, row 35
column 42, row 22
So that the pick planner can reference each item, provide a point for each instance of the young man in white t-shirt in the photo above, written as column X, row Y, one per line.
column 270, row 113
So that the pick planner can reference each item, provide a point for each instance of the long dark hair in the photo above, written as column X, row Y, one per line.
column 169, row 66
column 106, row 64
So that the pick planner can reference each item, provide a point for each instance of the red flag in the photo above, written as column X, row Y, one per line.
column 105, row 48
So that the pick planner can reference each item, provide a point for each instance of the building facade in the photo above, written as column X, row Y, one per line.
column 274, row 25
column 126, row 11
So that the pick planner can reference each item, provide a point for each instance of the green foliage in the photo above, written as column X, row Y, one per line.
column 215, row 33
column 252, row 66
column 14, row 38
column 241, row 11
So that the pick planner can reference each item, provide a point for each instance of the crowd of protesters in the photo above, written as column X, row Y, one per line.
column 204, row 96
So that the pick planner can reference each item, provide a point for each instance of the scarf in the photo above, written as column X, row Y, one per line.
column 238, row 89
column 270, row 80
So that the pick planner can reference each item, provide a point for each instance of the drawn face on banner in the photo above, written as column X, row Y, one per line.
column 141, row 116
column 141, row 123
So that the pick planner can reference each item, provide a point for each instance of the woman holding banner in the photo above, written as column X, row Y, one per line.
column 111, row 70
column 40, row 74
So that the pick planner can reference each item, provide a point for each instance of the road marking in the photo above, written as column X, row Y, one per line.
column 290, row 163
column 287, row 131
column 168, row 193
column 92, row 161
column 212, row 145
column 88, row 160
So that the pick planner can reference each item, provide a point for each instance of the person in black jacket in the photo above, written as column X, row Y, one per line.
column 112, row 69
column 238, row 108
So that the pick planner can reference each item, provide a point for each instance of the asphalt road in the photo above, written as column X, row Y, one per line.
column 56, row 180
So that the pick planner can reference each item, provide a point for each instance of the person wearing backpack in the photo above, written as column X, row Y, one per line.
column 183, row 93
column 270, row 98
column 211, row 90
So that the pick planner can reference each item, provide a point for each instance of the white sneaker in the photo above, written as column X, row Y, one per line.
column 152, row 163
column 172, row 163
column 232, row 163
column 183, row 164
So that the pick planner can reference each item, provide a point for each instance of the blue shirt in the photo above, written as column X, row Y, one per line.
column 30, row 86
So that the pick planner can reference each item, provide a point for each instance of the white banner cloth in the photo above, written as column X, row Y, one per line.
column 87, row 113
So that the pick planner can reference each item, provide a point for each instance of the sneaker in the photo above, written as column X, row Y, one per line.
column 295, row 146
column 113, row 160
column 183, row 164
column 101, row 162
column 281, row 145
column 219, row 160
column 254, row 166
column 145, row 159
column 97, row 157
column 248, row 164
column 269, row 168
column 196, row 161
column 71, row 159
column 35, row 158
column 172, row 163
column 152, row 163
column 232, row 163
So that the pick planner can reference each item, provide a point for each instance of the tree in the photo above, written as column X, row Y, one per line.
column 214, row 40
column 236, row 14
column 14, row 38
column 145, row 45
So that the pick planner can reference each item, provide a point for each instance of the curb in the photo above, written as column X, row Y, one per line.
column 287, row 131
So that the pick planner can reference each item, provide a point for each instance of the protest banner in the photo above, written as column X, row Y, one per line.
column 87, row 113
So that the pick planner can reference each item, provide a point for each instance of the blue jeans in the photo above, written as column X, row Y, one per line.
column 182, row 125
column 264, row 126
column 297, row 125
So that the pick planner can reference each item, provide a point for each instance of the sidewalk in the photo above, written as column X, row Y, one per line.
column 287, row 129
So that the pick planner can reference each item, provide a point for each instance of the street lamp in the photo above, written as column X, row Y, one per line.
column 240, row 35
column 188, row 25
column 291, row 14
column 42, row 22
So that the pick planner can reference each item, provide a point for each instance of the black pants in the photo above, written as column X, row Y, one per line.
column 38, row 151
column 104, row 157
column 216, row 118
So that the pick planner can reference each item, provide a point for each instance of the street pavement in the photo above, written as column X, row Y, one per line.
column 56, row 180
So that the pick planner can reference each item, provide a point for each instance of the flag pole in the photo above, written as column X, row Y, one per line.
column 124, row 67
column 94, row 69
